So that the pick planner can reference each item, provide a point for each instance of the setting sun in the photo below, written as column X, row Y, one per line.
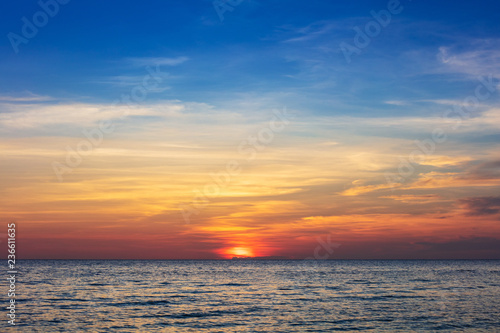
column 239, row 252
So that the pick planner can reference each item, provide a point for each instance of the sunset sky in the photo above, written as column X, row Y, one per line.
column 200, row 130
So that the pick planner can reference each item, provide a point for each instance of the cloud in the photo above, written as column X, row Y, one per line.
column 358, row 190
column 311, row 31
column 154, row 61
column 482, row 59
column 413, row 198
column 29, row 97
column 450, row 102
column 464, row 244
column 133, row 81
column 479, row 206
column 486, row 170
column 77, row 114
column 397, row 103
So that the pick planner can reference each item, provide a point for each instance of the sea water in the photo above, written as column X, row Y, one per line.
column 257, row 295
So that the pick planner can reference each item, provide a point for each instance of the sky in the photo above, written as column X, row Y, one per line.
column 208, row 130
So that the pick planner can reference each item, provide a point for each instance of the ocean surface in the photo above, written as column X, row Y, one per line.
column 257, row 296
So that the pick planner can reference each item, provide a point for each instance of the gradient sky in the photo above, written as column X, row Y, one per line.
column 390, row 151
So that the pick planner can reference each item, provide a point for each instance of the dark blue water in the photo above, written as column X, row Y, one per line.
column 257, row 296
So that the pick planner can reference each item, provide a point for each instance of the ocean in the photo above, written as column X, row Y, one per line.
column 257, row 295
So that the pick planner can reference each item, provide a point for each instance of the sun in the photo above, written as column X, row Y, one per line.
column 239, row 251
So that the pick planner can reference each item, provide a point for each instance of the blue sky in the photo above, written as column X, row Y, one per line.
column 274, row 51
column 344, row 166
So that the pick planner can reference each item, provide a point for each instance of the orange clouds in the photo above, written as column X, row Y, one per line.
column 123, row 200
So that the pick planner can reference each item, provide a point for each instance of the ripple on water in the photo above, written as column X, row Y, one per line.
column 279, row 296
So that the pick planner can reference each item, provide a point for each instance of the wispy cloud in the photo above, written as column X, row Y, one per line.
column 133, row 80
column 478, row 206
column 397, row 103
column 485, row 170
column 26, row 98
column 69, row 114
column 482, row 58
column 153, row 61
column 311, row 31
column 413, row 198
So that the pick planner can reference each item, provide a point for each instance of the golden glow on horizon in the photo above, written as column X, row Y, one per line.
column 238, row 251
column 130, row 188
